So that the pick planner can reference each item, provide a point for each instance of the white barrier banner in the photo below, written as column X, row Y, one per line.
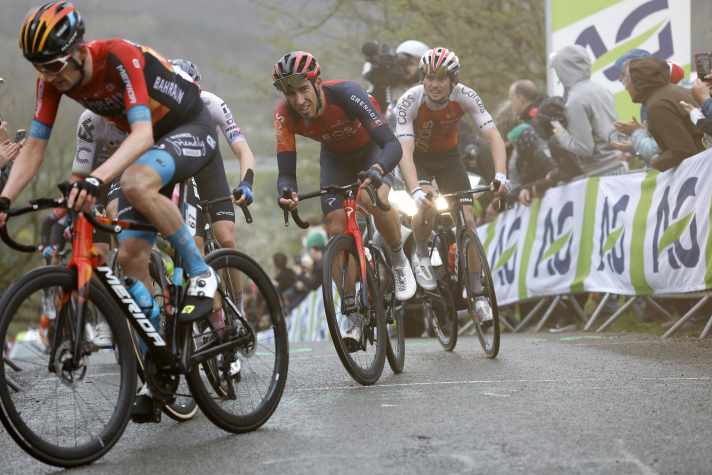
column 642, row 233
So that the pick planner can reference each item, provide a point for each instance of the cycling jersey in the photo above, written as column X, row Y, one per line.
column 434, row 127
column 98, row 138
column 129, row 83
column 349, row 124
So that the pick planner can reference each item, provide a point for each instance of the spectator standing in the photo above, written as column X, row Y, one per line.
column 285, row 277
column 590, row 109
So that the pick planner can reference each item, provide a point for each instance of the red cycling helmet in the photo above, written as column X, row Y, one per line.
column 440, row 61
column 297, row 65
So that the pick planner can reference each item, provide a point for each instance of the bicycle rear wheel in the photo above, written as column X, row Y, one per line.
column 394, row 312
column 347, row 295
column 63, row 413
column 473, row 257
column 240, row 388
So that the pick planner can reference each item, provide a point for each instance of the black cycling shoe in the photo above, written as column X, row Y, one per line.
column 145, row 409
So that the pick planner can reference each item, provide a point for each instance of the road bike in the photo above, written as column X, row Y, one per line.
column 72, row 403
column 358, row 281
column 462, row 259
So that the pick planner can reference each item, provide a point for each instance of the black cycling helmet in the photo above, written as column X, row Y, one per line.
column 51, row 31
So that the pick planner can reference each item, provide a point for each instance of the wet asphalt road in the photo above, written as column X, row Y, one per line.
column 549, row 404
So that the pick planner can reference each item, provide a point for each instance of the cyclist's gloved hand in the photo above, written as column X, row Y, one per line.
column 90, row 184
column 48, row 251
column 420, row 197
column 501, row 183
column 243, row 193
column 375, row 177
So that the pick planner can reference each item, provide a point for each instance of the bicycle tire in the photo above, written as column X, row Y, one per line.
column 443, row 309
column 239, row 423
column 24, row 436
column 444, row 317
column 469, row 242
column 393, row 313
column 365, row 376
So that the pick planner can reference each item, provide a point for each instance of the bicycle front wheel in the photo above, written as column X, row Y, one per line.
column 349, row 302
column 394, row 312
column 61, row 411
column 479, row 292
column 240, row 388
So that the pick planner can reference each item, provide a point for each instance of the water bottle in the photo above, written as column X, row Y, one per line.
column 143, row 298
column 178, row 277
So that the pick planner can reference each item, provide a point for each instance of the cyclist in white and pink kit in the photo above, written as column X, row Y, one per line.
column 427, row 121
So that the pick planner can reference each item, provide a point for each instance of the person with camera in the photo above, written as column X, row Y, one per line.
column 391, row 73
column 427, row 127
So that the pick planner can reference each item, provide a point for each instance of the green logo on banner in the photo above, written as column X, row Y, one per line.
column 612, row 239
column 674, row 231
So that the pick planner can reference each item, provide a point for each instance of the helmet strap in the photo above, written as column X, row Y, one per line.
column 319, row 103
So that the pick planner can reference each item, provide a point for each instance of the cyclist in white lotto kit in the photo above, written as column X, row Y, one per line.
column 427, row 122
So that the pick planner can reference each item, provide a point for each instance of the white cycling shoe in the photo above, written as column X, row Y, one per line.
column 352, row 334
column 103, row 337
column 199, row 296
column 423, row 272
column 403, row 276
column 483, row 310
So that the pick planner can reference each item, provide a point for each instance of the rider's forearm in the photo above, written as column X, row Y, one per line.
column 138, row 141
column 26, row 166
column 407, row 165
column 287, row 178
column 499, row 151
column 244, row 154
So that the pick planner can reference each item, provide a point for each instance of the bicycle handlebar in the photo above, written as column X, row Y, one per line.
column 99, row 222
column 330, row 189
column 236, row 196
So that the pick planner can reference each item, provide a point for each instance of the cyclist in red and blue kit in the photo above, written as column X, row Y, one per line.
column 170, row 135
column 354, row 138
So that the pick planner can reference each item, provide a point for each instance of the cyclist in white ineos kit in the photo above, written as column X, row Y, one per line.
column 427, row 122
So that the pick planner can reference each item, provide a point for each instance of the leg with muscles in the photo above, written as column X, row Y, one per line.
column 141, row 184
column 423, row 223
column 388, row 225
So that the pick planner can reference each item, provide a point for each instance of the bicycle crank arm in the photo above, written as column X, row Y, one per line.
column 203, row 355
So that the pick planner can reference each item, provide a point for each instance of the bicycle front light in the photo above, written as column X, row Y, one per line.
column 441, row 203
column 402, row 200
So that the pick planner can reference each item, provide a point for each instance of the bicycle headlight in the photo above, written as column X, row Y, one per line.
column 402, row 200
column 441, row 203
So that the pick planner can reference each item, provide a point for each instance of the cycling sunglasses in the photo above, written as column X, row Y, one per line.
column 55, row 66
column 289, row 83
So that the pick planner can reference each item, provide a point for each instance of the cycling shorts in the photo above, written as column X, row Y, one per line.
column 342, row 169
column 190, row 150
column 446, row 169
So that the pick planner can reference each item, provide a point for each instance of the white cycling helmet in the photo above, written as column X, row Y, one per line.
column 440, row 61
column 413, row 48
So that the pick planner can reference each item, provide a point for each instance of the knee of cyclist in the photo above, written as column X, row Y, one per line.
column 134, row 256
column 134, row 185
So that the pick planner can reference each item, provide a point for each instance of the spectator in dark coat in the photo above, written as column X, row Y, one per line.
column 648, row 82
